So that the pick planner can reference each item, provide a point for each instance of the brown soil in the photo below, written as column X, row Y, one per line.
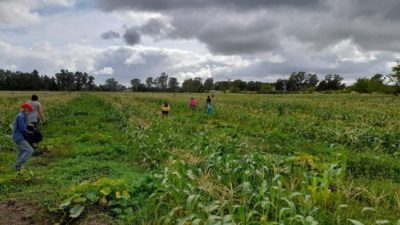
column 20, row 213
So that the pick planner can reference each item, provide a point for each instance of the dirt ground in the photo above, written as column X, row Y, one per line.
column 13, row 212
column 19, row 213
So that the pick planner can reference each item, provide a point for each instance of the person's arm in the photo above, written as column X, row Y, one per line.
column 22, row 126
column 41, row 114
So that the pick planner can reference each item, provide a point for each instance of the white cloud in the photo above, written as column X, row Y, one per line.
column 346, row 50
column 17, row 12
column 105, row 71
column 24, row 12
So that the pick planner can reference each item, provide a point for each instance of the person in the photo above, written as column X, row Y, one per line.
column 20, row 136
column 193, row 103
column 37, row 115
column 165, row 108
column 208, row 101
column 209, row 109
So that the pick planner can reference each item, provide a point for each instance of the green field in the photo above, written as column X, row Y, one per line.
column 110, row 158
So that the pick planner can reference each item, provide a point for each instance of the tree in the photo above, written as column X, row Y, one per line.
column 163, row 81
column 221, row 86
column 209, row 84
column 331, row 82
column 193, row 85
column 110, row 85
column 238, row 85
column 90, row 84
column 78, row 80
column 266, row 88
column 281, row 85
column 254, row 86
column 173, row 84
column 300, row 81
column 149, row 82
column 396, row 73
column 135, row 83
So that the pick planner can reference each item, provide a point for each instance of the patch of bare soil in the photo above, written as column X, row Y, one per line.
column 20, row 213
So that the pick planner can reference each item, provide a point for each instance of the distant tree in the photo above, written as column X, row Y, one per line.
column 378, row 78
column 173, row 84
column 110, row 85
column 135, row 83
column 149, row 82
column 300, row 81
column 396, row 73
column 163, row 81
column 375, row 84
column 331, row 83
column 254, row 86
column 281, row 85
column 266, row 88
column 193, row 85
column 238, row 85
column 221, row 86
column 90, row 84
column 78, row 77
column 84, row 80
column 395, row 77
column 209, row 84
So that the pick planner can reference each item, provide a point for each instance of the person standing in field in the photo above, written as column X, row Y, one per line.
column 208, row 101
column 193, row 103
column 20, row 136
column 37, row 115
column 209, row 106
column 165, row 108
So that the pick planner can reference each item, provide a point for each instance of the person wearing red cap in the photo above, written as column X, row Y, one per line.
column 20, row 136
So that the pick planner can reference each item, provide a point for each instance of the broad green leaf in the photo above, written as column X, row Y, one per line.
column 105, row 191
column 65, row 204
column 76, row 211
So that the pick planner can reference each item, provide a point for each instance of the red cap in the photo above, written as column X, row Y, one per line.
column 27, row 106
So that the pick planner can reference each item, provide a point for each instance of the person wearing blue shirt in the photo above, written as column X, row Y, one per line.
column 20, row 136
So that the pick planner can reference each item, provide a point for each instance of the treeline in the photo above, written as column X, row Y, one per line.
column 298, row 82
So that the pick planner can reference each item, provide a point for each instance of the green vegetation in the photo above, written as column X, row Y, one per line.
column 260, row 159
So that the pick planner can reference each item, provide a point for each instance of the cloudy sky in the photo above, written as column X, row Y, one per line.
column 225, row 39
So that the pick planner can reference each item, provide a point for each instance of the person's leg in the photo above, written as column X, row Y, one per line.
column 25, row 151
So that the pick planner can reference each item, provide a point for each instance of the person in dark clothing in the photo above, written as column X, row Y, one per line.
column 208, row 101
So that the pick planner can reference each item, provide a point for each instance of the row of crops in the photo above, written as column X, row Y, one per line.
column 259, row 159
column 265, row 160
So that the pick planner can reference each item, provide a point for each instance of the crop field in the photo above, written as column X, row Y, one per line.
column 110, row 158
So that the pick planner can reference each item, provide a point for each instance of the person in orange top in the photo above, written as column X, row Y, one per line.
column 165, row 108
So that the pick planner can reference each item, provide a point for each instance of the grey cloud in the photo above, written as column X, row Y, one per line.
column 165, row 5
column 132, row 36
column 156, row 28
column 110, row 35
column 222, row 32
column 221, row 24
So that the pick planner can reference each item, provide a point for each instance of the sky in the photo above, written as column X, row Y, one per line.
column 261, row 40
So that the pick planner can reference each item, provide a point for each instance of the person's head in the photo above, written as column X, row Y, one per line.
column 191, row 98
column 34, row 98
column 26, row 108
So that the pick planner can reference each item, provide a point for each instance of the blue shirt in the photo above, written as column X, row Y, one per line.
column 20, row 129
